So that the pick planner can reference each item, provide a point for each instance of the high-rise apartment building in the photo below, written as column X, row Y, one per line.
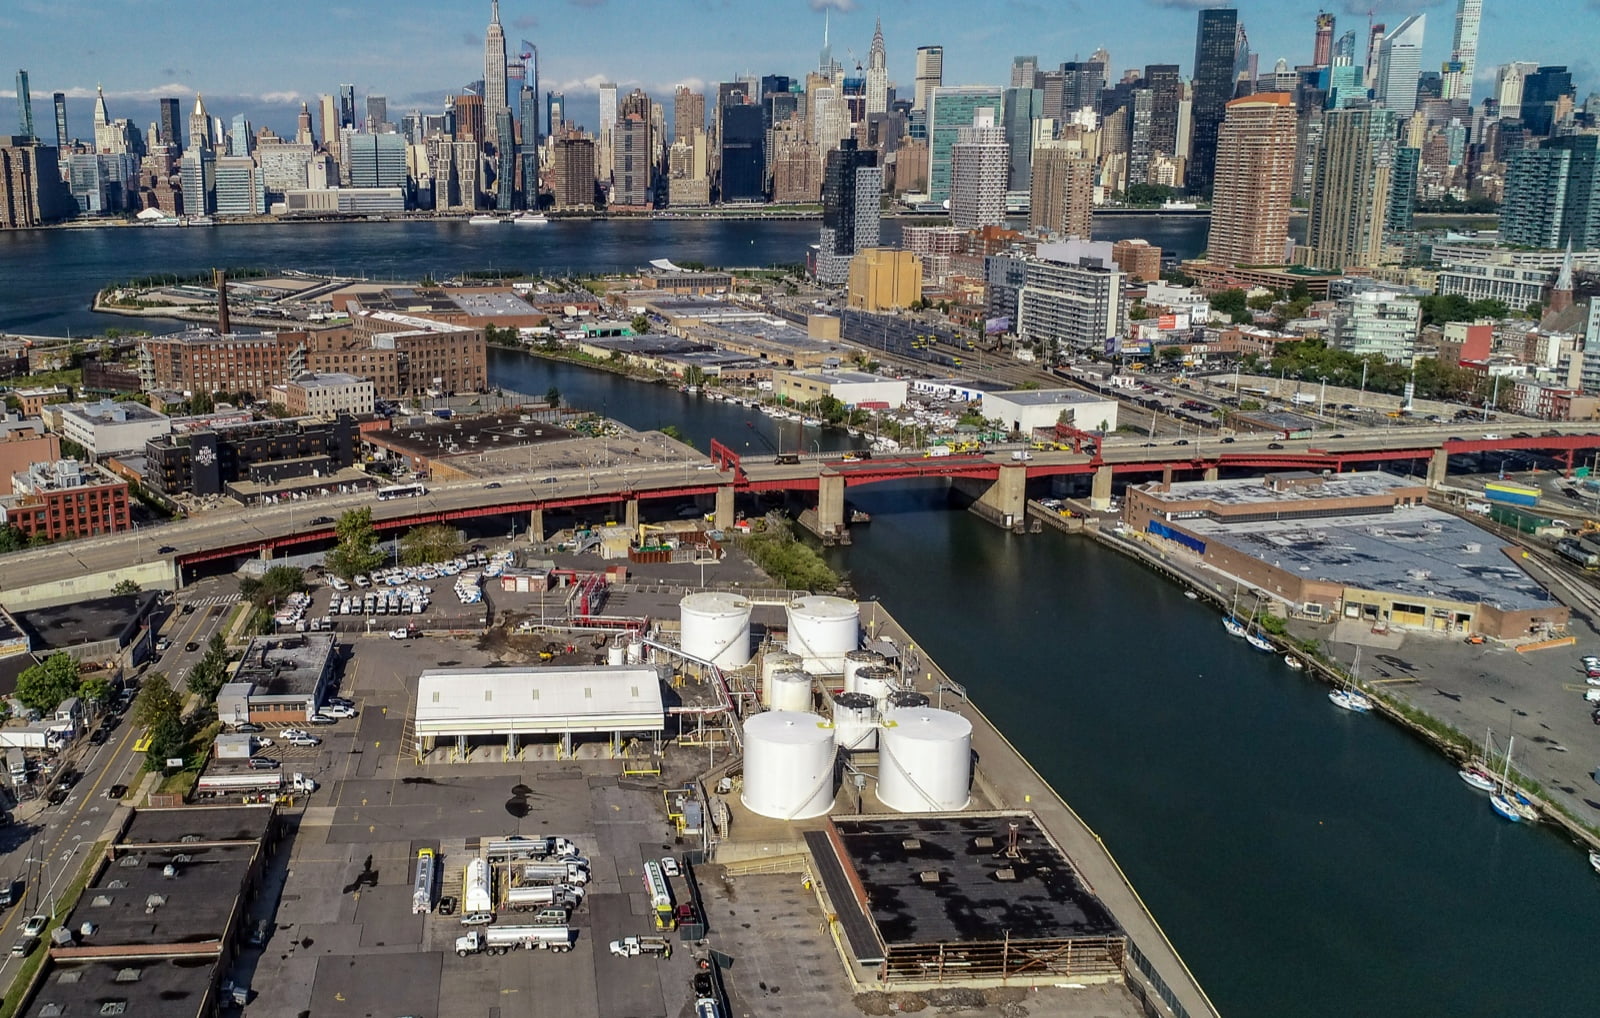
column 572, row 172
column 1322, row 49
column 1399, row 64
column 1166, row 95
column 930, row 75
column 1553, row 194
column 688, row 113
column 633, row 161
column 1072, row 298
column 852, row 188
column 1463, row 62
column 608, row 126
column 31, row 192
column 62, row 138
column 1254, row 181
column 1024, row 106
column 877, row 73
column 347, row 107
column 24, row 108
column 1214, row 53
column 1062, row 192
column 1350, row 190
column 949, row 110
column 978, row 178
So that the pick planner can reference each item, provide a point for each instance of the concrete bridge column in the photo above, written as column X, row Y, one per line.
column 1008, row 495
column 1438, row 467
column 830, row 503
column 722, row 517
column 266, row 553
column 630, row 514
column 1100, row 492
column 536, row 526
column 1211, row 473
column 1166, row 477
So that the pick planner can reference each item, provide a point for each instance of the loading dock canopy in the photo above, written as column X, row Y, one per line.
column 455, row 702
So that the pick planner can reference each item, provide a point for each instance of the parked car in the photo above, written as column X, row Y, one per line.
column 303, row 741
column 34, row 925
column 322, row 719
column 248, row 728
column 339, row 710
column 293, row 733
column 669, row 866
column 263, row 763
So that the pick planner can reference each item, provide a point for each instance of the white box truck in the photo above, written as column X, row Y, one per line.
column 500, row 939
column 557, row 871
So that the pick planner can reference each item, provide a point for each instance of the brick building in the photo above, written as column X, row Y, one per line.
column 328, row 395
column 65, row 499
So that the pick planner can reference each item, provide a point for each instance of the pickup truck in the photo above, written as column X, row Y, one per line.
column 633, row 947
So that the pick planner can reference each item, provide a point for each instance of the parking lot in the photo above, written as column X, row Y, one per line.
column 344, row 941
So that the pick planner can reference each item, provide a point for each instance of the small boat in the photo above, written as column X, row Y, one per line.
column 1348, row 696
column 1255, row 639
column 1594, row 860
column 1233, row 626
column 1191, row 595
column 487, row 221
column 1294, row 662
column 1478, row 777
column 1501, row 805
column 1508, row 802
column 530, row 219
column 811, row 422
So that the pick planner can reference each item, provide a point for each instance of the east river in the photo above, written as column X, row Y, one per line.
column 1304, row 861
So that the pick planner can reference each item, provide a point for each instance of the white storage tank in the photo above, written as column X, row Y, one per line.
column 716, row 627
column 855, row 721
column 822, row 630
column 788, row 765
column 771, row 664
column 791, row 690
column 615, row 655
column 924, row 760
column 857, row 660
column 876, row 681
column 635, row 652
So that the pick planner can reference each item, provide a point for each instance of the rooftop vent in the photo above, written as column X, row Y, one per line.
column 1006, row 875
column 985, row 843
column 929, row 877
column 128, row 975
column 911, row 845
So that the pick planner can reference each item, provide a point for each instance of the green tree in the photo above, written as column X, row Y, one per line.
column 675, row 433
column 435, row 542
column 206, row 678
column 694, row 375
column 96, row 689
column 830, row 409
column 169, row 739
column 1232, row 303
column 1261, row 302
column 1138, row 313
column 202, row 403
column 357, row 551
column 1534, row 310
column 42, row 686
column 12, row 538
column 1170, row 353
column 552, row 396
column 125, row 587
column 274, row 585
column 640, row 324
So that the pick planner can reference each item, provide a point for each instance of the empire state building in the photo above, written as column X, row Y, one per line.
column 494, row 67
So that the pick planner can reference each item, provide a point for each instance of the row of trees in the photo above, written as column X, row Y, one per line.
column 159, row 711
column 1312, row 360
column 43, row 686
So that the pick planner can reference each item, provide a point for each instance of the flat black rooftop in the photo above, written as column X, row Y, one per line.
column 89, row 621
column 145, row 988
column 196, row 823
column 971, row 901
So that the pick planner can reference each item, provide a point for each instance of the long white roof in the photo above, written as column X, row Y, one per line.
column 538, row 701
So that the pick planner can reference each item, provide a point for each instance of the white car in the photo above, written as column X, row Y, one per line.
column 669, row 866
column 399, row 634
column 338, row 710
column 292, row 734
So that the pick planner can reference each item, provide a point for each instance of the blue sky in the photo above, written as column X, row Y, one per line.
column 264, row 58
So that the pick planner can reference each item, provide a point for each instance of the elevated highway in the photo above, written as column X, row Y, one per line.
column 998, row 478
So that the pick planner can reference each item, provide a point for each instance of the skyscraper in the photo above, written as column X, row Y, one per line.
column 302, row 127
column 608, row 125
column 1214, row 52
column 1322, row 50
column 1553, row 194
column 24, row 107
column 347, row 108
column 744, row 173
column 1541, row 91
column 1166, row 89
column 1062, row 191
column 1508, row 87
column 877, row 73
column 199, row 127
column 60, row 100
column 978, row 162
column 631, row 171
column 852, row 188
column 377, row 112
column 554, row 111
column 494, row 64
column 949, row 110
column 1399, row 62
column 1350, row 190
column 241, row 142
column 1023, row 106
column 1254, row 181
column 1023, row 71
column 688, row 113
column 930, row 74
column 1463, row 62
column 169, row 124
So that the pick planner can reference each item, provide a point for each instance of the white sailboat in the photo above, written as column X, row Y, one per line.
column 1348, row 696
column 1501, row 801
column 1230, row 621
column 1477, row 773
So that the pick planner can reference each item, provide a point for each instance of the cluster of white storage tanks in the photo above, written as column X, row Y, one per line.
column 924, row 760
column 715, row 627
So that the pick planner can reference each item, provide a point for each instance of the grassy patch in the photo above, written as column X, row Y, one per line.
column 792, row 563
column 30, row 967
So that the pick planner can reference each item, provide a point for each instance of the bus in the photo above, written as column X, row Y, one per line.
column 401, row 491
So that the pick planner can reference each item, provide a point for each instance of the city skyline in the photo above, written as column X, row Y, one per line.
column 269, row 81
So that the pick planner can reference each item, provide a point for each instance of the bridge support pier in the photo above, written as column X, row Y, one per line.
column 266, row 553
column 1438, row 467
column 1100, row 492
column 1007, row 497
column 722, row 517
column 630, row 514
column 830, row 503
column 536, row 526
column 1211, row 473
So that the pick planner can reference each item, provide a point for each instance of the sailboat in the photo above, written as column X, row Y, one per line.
column 1477, row 773
column 1348, row 696
column 1230, row 622
column 1501, row 801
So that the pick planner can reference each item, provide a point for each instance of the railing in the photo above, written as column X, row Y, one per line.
column 1156, row 983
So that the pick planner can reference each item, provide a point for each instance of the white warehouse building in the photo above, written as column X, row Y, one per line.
column 109, row 427
column 1026, row 409
column 512, row 706
column 852, row 388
